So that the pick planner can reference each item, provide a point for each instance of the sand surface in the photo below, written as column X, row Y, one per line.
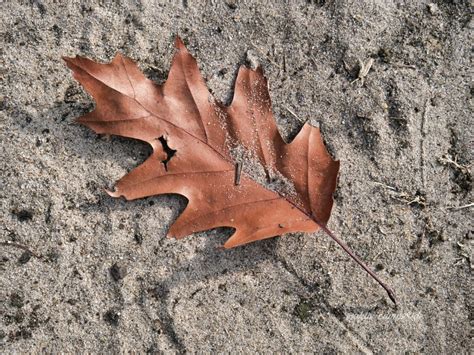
column 100, row 276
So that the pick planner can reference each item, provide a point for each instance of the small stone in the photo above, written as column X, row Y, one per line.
column 23, row 215
column 379, row 267
column 16, row 300
column 232, row 4
column 385, row 55
column 25, row 257
column 433, row 8
column 118, row 271
column 304, row 310
column 23, row 333
column 19, row 316
column 159, row 292
column 112, row 317
column 53, row 256
column 138, row 238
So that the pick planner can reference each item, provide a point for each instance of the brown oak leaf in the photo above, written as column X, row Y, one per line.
column 230, row 162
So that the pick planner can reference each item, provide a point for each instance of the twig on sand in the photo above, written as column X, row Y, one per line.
column 386, row 186
column 405, row 197
column 20, row 246
column 363, row 70
column 290, row 111
column 448, row 159
column 469, row 205
column 408, row 66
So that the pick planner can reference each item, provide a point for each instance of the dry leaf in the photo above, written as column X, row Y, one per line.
column 229, row 162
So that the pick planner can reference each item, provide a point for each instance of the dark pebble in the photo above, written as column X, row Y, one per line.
column 159, row 292
column 112, row 317
column 23, row 215
column 53, row 256
column 118, row 271
column 138, row 238
column 16, row 300
column 19, row 316
column 23, row 333
column 25, row 257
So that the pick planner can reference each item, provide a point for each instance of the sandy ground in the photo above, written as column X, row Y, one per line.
column 100, row 276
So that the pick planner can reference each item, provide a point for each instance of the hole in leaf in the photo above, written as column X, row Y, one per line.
column 169, row 152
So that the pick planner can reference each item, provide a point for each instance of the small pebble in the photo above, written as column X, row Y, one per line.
column 23, row 215
column 138, row 238
column 112, row 317
column 16, row 300
column 25, row 257
column 118, row 271
column 433, row 8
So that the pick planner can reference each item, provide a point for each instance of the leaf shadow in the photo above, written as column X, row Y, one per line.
column 209, row 263
column 59, row 118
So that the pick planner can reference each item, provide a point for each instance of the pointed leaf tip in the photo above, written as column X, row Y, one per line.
column 117, row 56
column 112, row 193
column 178, row 43
column 170, row 236
column 68, row 61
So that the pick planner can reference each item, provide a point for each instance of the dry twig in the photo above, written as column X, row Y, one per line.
column 20, row 246
column 363, row 70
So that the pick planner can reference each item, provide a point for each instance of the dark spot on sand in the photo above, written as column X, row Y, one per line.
column 118, row 271
column 112, row 317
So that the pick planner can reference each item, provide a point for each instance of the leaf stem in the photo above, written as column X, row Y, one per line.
column 390, row 292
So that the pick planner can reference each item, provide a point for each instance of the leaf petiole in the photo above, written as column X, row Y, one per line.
column 387, row 288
